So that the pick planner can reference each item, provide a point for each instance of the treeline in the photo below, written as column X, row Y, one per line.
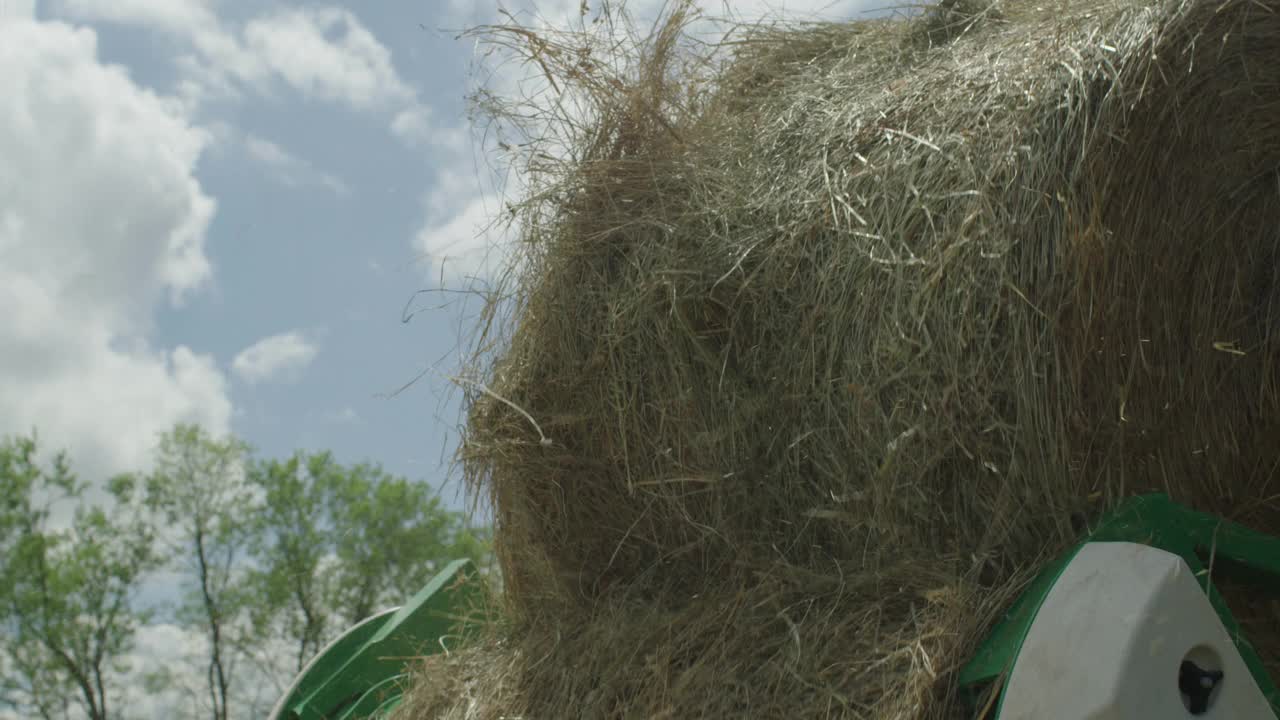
column 265, row 559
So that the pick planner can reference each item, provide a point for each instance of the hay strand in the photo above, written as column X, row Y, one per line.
column 842, row 330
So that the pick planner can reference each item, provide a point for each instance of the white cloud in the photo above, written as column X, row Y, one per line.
column 269, row 153
column 345, row 416
column 286, row 354
column 178, row 655
column 327, row 53
column 17, row 10
column 101, row 222
column 322, row 53
column 288, row 168
column 465, row 235
column 169, row 652
column 413, row 125
column 458, row 247
column 181, row 17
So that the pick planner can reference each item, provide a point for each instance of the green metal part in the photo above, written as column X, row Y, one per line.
column 377, row 700
column 360, row 676
column 1209, row 545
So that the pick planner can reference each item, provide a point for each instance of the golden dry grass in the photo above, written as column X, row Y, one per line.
column 824, row 339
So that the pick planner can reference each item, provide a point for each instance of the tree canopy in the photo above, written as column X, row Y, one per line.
column 66, row 588
column 264, row 561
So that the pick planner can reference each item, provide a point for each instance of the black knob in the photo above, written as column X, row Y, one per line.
column 1197, row 685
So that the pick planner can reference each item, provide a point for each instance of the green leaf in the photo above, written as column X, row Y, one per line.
column 65, row 595
column 199, row 488
column 338, row 543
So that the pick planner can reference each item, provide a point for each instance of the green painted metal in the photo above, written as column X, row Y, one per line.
column 360, row 675
column 387, row 706
column 1006, row 638
column 329, row 661
column 1229, row 549
column 373, row 703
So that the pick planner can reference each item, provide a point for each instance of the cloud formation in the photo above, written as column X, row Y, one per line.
column 17, row 10
column 288, row 169
column 465, row 238
column 281, row 356
column 322, row 53
column 102, row 222
column 183, row 17
column 326, row 53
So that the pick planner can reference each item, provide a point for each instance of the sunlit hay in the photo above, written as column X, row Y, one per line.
column 815, row 354
column 773, row 649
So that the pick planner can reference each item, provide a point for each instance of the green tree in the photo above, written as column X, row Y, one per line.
column 337, row 543
column 391, row 536
column 9, row 688
column 198, row 487
column 292, row 583
column 65, row 594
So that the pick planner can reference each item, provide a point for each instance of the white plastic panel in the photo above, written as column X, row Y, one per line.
column 1111, row 636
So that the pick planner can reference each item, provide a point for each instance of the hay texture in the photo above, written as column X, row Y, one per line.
column 826, row 338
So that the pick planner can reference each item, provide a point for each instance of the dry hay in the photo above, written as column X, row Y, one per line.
column 817, row 353
column 1257, row 609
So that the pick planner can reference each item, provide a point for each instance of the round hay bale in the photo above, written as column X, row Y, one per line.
column 816, row 358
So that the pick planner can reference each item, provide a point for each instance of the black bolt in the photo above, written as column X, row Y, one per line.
column 1197, row 685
